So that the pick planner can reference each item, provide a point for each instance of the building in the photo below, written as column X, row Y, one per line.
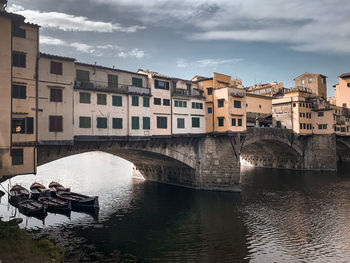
column 258, row 110
column 56, row 82
column 225, row 103
column 323, row 120
column 317, row 83
column 110, row 102
column 271, row 89
column 342, row 91
column 160, row 87
column 19, row 48
column 188, row 107
column 293, row 110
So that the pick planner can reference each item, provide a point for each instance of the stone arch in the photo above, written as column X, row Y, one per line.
column 343, row 150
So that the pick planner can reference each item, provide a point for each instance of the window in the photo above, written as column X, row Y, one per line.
column 84, row 97
column 146, row 102
column 135, row 125
column 158, row 84
column 294, row 105
column 55, row 123
column 301, row 126
column 210, row 110
column 220, row 121
column 117, row 123
column 309, row 80
column 101, row 99
column 137, row 82
column 157, row 101
column 323, row 80
column 239, row 122
column 162, row 122
column 344, row 105
column 23, row 125
column 197, row 105
column 348, row 85
column 19, row 91
column 210, row 91
column 19, row 59
column 135, row 101
column 146, row 123
column 195, row 122
column 325, row 126
column 18, row 32
column 17, row 156
column 304, row 126
column 233, row 122
column 237, row 104
column 83, row 75
column 117, row 101
column 180, row 123
column 220, row 103
column 320, row 126
column 112, row 81
column 56, row 68
column 101, row 122
column 302, row 81
column 180, row 103
column 84, row 122
column 320, row 114
column 301, row 115
column 56, row 95
column 166, row 102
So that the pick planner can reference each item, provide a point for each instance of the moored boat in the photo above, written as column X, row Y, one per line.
column 38, row 190
column 55, row 204
column 79, row 200
column 32, row 207
column 55, row 187
column 18, row 193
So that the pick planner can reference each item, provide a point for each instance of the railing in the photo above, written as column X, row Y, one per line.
column 185, row 92
column 110, row 87
column 237, row 93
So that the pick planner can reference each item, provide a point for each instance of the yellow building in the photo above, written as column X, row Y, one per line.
column 18, row 94
column 258, row 110
column 267, row 89
column 342, row 91
column 225, row 103
column 317, row 83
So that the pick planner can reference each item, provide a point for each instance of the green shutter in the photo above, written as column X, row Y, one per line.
column 101, row 99
column 137, row 82
column 145, row 101
column 135, row 125
column 162, row 122
column 83, row 75
column 193, row 105
column 146, row 123
column 117, row 123
column 117, row 101
column 101, row 123
column 195, row 123
column 180, row 123
column 84, row 97
column 84, row 122
column 135, row 101
column 112, row 81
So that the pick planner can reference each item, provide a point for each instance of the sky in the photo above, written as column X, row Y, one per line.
column 254, row 40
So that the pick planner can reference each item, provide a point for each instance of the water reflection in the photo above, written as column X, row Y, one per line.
column 280, row 216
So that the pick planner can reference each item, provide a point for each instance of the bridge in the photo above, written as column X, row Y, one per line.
column 212, row 161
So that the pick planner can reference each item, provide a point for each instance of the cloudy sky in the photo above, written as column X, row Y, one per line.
column 255, row 40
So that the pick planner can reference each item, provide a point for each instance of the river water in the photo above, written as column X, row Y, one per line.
column 280, row 216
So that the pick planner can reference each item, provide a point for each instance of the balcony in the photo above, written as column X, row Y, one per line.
column 237, row 93
column 111, row 87
column 188, row 93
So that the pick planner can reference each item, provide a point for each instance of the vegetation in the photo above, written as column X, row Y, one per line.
column 16, row 245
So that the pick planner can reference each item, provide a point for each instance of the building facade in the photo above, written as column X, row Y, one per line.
column 272, row 89
column 317, row 83
column 342, row 91
column 258, row 110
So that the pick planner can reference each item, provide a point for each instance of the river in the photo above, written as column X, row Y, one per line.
column 280, row 216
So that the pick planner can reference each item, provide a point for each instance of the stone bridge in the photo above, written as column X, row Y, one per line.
column 208, row 161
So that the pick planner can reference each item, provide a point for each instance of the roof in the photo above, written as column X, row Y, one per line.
column 308, row 73
column 56, row 57
column 107, row 68
column 258, row 96
column 17, row 18
column 344, row 75
column 155, row 74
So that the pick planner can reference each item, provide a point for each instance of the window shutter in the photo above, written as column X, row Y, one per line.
column 29, row 125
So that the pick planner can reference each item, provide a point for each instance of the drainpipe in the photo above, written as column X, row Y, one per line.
column 36, row 100
column 11, row 103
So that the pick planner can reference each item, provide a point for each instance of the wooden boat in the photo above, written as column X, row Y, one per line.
column 55, row 204
column 32, row 207
column 38, row 190
column 79, row 200
column 55, row 187
column 18, row 193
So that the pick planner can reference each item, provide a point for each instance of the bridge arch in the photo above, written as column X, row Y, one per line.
column 343, row 150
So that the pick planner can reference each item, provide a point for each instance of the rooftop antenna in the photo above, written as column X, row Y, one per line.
column 3, row 5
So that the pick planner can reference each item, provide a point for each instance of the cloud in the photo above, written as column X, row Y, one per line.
column 66, row 22
column 96, row 50
column 202, row 63
column 313, row 25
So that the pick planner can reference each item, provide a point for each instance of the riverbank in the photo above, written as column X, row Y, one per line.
column 16, row 245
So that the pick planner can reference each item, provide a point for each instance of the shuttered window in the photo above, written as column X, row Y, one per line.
column 157, row 101
column 19, row 91
column 135, row 101
column 23, row 125
column 101, row 99
column 101, row 122
column 137, row 82
column 146, row 123
column 166, row 102
column 220, row 121
column 117, row 123
column 162, row 122
column 56, row 68
column 55, row 123
column 135, row 125
column 158, row 84
column 19, row 59
column 237, row 104
column 180, row 123
column 17, row 156
column 239, row 122
column 145, row 101
column 56, row 95
column 195, row 122
column 112, row 81
column 85, row 97
column 84, row 122
column 83, row 75
column 117, row 101
column 18, row 32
